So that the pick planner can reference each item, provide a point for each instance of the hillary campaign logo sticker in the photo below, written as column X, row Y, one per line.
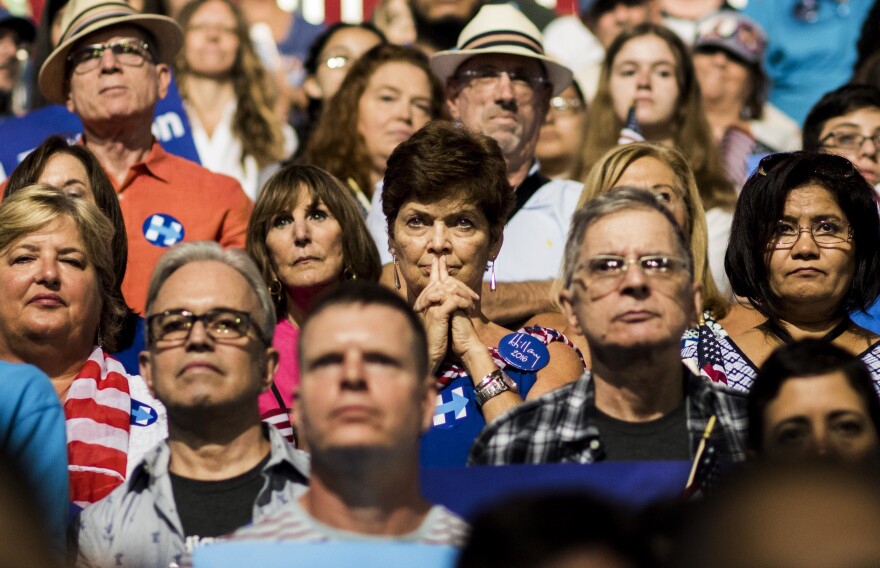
column 142, row 414
column 451, row 408
column 163, row 230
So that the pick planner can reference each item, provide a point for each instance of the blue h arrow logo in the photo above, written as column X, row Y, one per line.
column 457, row 405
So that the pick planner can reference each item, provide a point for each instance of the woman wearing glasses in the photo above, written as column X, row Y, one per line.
column 388, row 94
column 60, row 311
column 562, row 135
column 803, row 251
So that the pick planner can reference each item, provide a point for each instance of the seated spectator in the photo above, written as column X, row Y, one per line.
column 846, row 122
column 76, row 171
column 32, row 437
column 728, row 57
column 14, row 32
column 445, row 214
column 365, row 398
column 792, row 516
column 803, row 253
column 557, row 530
column 387, row 95
column 628, row 284
column 228, row 96
column 59, row 312
column 812, row 399
column 562, row 135
column 220, row 468
column 164, row 199
column 297, row 240
column 648, row 74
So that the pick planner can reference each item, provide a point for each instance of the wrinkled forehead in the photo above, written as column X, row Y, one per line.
column 113, row 33
column 504, row 62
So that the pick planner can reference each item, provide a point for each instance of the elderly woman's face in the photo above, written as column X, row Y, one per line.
column 819, row 416
column 305, row 244
column 211, row 43
column 452, row 228
column 50, row 288
column 644, row 73
column 805, row 274
column 723, row 79
column 68, row 174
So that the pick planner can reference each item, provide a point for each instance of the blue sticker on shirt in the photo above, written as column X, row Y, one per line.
column 142, row 414
column 451, row 408
column 524, row 352
column 163, row 230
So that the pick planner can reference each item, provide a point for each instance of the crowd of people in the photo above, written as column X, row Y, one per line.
column 443, row 239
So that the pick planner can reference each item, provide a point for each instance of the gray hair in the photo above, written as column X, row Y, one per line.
column 238, row 260
column 621, row 199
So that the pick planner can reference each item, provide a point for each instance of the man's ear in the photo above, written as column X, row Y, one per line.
column 566, row 302
column 452, row 93
column 270, row 366
column 145, row 365
column 71, row 108
column 163, row 76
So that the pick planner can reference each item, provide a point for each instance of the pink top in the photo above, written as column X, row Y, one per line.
column 287, row 376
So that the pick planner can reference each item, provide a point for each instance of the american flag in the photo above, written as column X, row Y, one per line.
column 709, row 357
column 631, row 131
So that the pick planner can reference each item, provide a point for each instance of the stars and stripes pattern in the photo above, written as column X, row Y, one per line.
column 710, row 357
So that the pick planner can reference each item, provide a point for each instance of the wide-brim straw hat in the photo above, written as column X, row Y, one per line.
column 500, row 29
column 83, row 17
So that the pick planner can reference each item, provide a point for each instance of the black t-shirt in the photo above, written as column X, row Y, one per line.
column 216, row 508
column 663, row 439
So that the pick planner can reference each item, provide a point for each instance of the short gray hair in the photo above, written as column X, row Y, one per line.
column 621, row 199
column 238, row 260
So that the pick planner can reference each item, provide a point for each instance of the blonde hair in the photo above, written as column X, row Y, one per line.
column 605, row 174
column 34, row 207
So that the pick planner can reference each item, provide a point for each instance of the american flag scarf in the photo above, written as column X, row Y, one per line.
column 98, row 422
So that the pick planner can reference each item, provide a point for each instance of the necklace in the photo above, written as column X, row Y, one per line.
column 773, row 327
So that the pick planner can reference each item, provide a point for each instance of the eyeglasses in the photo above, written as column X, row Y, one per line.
column 849, row 140
column 566, row 105
column 604, row 273
column 336, row 61
column 487, row 79
column 128, row 52
column 173, row 327
column 825, row 232
column 828, row 165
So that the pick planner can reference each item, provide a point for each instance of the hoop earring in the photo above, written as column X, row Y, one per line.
column 491, row 268
column 275, row 290
column 396, row 276
column 349, row 274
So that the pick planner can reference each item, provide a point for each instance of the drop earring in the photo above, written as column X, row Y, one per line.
column 396, row 276
column 491, row 268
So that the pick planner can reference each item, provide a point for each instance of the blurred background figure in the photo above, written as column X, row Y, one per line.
column 15, row 34
column 685, row 16
column 558, row 530
column 47, row 36
column 389, row 94
column 728, row 57
column 866, row 70
column 798, row 516
column 228, row 96
column 395, row 20
column 580, row 41
column 813, row 400
column 73, row 169
column 649, row 69
column 562, row 135
column 438, row 23
column 330, row 58
column 297, row 240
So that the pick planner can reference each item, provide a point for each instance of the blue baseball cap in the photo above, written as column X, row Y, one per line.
column 24, row 27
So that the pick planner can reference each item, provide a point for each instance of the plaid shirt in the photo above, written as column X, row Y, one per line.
column 561, row 426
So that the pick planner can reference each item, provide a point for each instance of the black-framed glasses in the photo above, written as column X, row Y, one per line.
column 128, row 52
column 848, row 140
column 825, row 232
column 605, row 272
column 172, row 327
column 488, row 78
column 829, row 165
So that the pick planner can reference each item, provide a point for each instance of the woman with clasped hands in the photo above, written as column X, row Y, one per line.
column 59, row 313
column 446, row 200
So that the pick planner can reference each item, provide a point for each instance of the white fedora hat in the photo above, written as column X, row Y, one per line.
column 500, row 29
column 83, row 17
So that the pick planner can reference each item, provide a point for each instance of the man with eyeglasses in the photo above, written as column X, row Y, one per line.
column 846, row 122
column 111, row 67
column 499, row 83
column 209, row 355
column 629, row 288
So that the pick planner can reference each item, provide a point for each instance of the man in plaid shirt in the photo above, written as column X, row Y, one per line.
column 629, row 288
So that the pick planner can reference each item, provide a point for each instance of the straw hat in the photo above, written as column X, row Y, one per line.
column 500, row 29
column 83, row 17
